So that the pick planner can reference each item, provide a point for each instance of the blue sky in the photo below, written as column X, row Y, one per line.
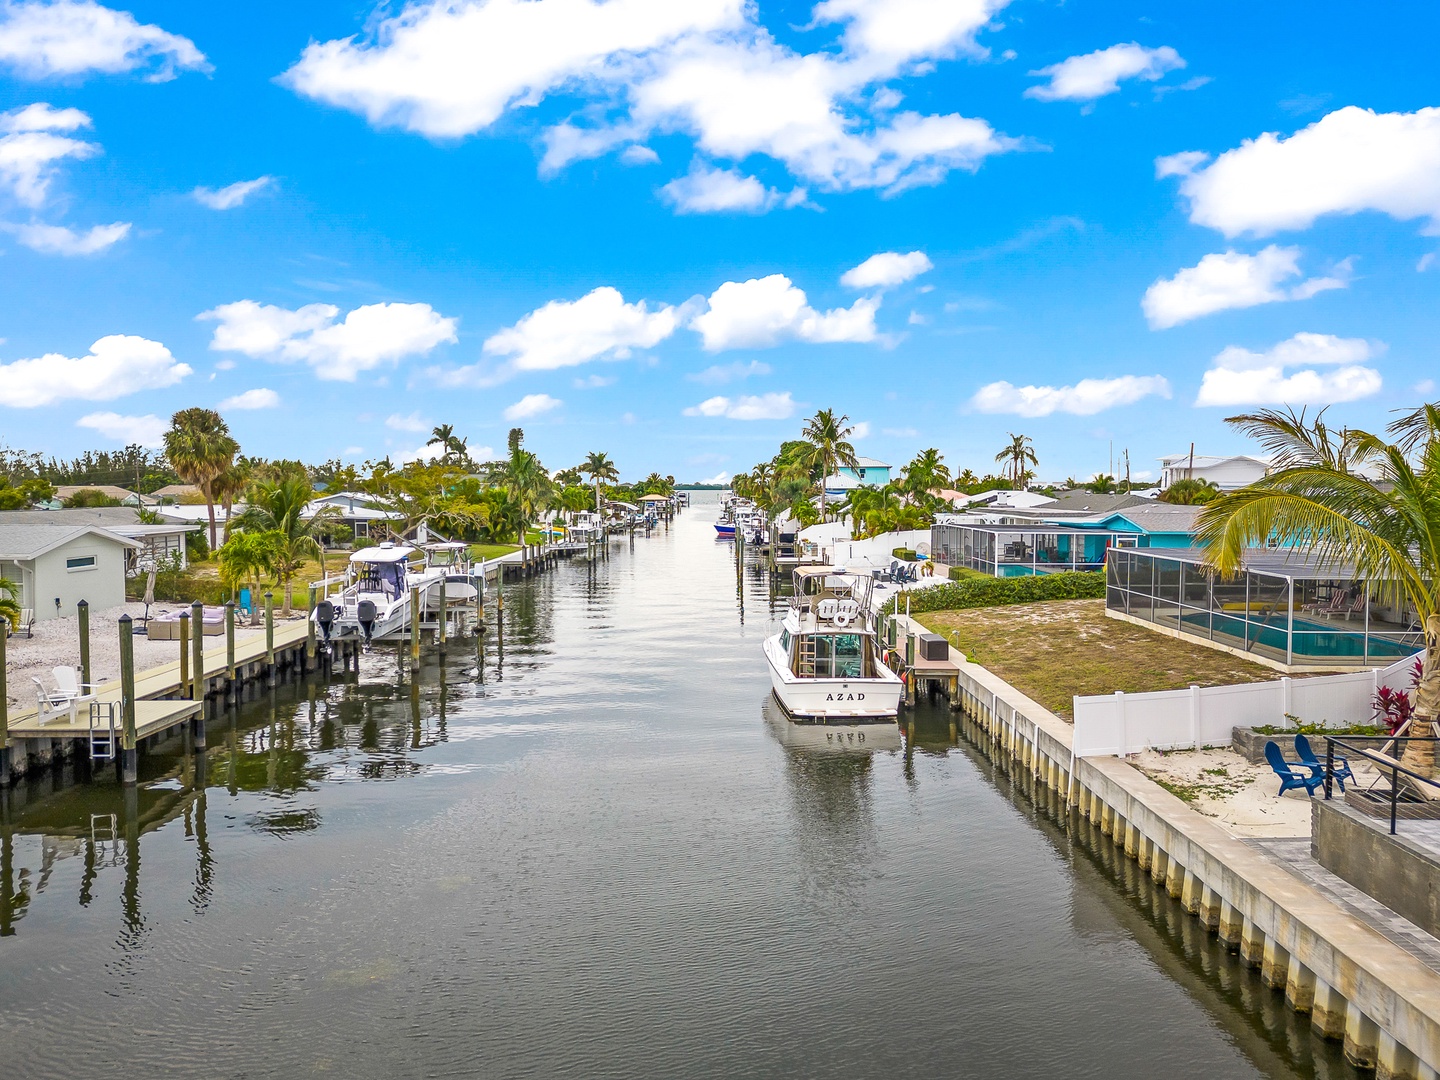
column 647, row 227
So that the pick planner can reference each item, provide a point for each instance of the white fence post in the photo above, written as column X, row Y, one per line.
column 1195, row 715
column 1286, row 700
column 1120, row 715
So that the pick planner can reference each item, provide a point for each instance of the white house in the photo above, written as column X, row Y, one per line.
column 59, row 565
column 356, row 509
column 1226, row 473
column 159, row 543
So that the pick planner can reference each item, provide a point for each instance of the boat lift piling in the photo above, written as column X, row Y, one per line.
column 129, row 771
column 415, row 628
column 186, row 687
column 4, row 711
column 82, row 616
column 444, row 616
column 270, row 639
column 230, row 692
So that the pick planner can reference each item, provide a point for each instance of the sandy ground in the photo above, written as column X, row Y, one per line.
column 57, row 642
column 1241, row 797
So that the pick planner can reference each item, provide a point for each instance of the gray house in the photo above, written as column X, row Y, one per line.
column 59, row 565
column 159, row 543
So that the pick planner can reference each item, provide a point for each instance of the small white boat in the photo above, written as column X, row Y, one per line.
column 449, row 560
column 825, row 662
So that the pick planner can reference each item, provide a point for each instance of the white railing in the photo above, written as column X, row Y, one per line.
column 1119, row 724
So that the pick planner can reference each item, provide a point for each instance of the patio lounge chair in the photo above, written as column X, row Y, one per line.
column 1340, row 773
column 1358, row 607
column 1288, row 774
column 1334, row 606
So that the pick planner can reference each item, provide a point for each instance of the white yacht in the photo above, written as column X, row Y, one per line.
column 375, row 602
column 825, row 662
column 449, row 560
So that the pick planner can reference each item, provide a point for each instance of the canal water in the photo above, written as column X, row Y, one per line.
column 593, row 850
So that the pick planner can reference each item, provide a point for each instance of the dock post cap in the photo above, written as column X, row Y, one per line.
column 229, row 603
column 197, row 603
column 82, row 603
column 126, row 618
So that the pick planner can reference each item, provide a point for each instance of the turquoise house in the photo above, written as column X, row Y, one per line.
column 868, row 472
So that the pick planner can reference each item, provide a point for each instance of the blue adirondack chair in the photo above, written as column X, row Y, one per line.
column 1288, row 774
column 1341, row 771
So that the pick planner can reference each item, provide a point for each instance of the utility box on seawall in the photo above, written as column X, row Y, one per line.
column 934, row 647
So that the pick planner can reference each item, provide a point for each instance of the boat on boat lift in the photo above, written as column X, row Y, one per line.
column 825, row 663
column 375, row 601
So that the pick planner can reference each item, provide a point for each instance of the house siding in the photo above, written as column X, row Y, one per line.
column 103, row 587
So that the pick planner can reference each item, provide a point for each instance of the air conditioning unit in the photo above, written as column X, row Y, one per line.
column 934, row 647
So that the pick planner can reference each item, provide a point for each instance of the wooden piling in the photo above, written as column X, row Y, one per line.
column 82, row 615
column 230, row 644
column 444, row 613
column 129, row 771
column 197, row 650
column 4, row 711
column 186, row 689
column 270, row 637
column 310, row 629
column 415, row 626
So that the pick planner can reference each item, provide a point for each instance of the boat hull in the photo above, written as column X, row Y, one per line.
column 832, row 701
column 725, row 530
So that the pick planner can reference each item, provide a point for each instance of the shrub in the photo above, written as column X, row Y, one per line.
column 975, row 592
column 904, row 553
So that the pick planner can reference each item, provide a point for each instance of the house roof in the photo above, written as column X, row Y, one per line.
column 25, row 542
column 841, row 482
column 175, row 491
column 123, row 520
column 1207, row 461
column 64, row 491
column 1157, row 517
column 871, row 463
column 1092, row 502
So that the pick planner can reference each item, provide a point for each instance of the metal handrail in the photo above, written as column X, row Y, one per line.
column 1383, row 760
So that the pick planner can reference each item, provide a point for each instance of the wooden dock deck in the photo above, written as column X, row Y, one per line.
column 151, row 718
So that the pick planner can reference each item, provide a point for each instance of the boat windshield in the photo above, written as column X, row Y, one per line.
column 388, row 579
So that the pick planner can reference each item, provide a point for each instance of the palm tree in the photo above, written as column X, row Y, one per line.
column 1187, row 492
column 1384, row 522
column 247, row 557
column 527, row 483
column 830, row 449
column 1102, row 484
column 229, row 486
column 600, row 469
column 200, row 449
column 1018, row 458
column 9, row 605
column 927, row 472
column 279, row 507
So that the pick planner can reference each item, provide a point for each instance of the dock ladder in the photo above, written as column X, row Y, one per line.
column 102, row 730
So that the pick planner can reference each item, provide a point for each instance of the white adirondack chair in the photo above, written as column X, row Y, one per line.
column 54, row 705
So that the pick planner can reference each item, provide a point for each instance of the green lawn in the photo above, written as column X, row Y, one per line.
column 479, row 552
column 1052, row 650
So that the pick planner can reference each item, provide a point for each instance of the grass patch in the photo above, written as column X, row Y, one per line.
column 1055, row 650
column 491, row 551
column 1321, row 729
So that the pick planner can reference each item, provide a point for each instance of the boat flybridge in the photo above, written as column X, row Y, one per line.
column 825, row 662
column 375, row 601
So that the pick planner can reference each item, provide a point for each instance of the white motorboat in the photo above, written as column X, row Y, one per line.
column 375, row 602
column 825, row 662
column 449, row 560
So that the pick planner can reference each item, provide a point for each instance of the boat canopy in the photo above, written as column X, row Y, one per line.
column 627, row 506
column 387, row 552
column 654, row 498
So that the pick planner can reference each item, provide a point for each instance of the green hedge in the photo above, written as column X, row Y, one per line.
column 903, row 553
column 974, row 592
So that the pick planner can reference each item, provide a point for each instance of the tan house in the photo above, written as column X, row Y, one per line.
column 124, row 496
column 57, row 566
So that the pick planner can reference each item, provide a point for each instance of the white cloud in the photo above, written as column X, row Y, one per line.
column 232, row 195
column 115, row 366
column 886, row 269
column 719, row 374
column 1085, row 398
column 1426, row 261
column 594, row 382
column 413, row 422
column 31, row 148
column 449, row 68
column 1424, row 386
column 765, row 311
column 639, row 155
column 1085, row 78
column 1232, row 280
column 900, row 433
column 746, row 407
column 74, row 37
column 148, row 430
column 428, row 452
column 368, row 337
column 565, row 333
column 707, row 190
column 1347, row 162
column 860, row 429
column 260, row 398
column 722, row 477
column 58, row 240
column 532, row 405
column 1240, row 377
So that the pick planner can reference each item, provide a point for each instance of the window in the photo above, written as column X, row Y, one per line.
column 839, row 656
column 81, row 562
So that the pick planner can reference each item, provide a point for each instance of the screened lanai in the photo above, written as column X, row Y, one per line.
column 1282, row 606
column 1019, row 550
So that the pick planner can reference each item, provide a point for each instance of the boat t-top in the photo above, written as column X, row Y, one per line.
column 825, row 662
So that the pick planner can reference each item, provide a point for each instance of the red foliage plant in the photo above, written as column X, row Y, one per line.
column 1392, row 708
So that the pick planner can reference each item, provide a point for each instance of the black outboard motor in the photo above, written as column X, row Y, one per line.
column 325, row 619
column 365, row 615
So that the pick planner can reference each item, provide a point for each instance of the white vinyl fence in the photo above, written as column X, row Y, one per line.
column 1118, row 724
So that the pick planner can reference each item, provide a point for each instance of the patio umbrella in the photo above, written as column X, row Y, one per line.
column 149, row 597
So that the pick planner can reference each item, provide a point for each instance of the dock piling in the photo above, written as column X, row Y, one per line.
column 186, row 688
column 82, row 616
column 129, row 771
column 4, row 711
column 270, row 638
column 444, row 614
column 415, row 627
column 197, row 651
column 229, row 648
column 310, row 630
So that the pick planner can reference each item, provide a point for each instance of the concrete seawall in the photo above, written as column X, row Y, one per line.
column 1355, row 984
